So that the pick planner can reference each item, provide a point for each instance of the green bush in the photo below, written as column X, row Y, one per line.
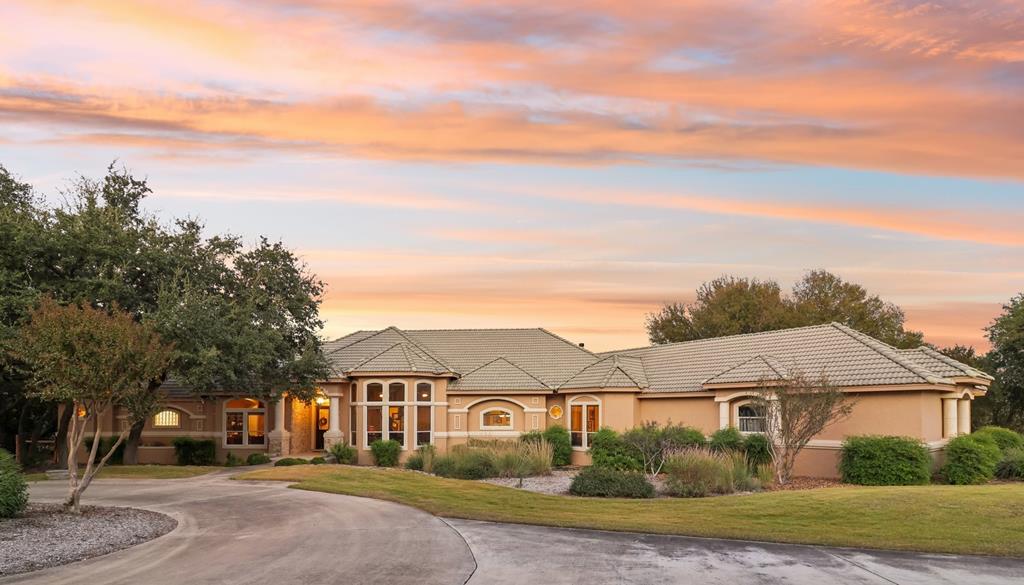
column 698, row 472
column 971, row 460
column 755, row 446
column 531, row 437
column 105, row 444
column 290, row 461
column 521, row 458
column 318, row 460
column 472, row 464
column 189, row 451
column 232, row 461
column 414, row 462
column 885, row 460
column 1012, row 465
column 651, row 442
column 422, row 459
column 343, row 453
column 444, row 466
column 13, row 489
column 727, row 439
column 385, row 453
column 257, row 459
column 561, row 445
column 1004, row 438
column 600, row 482
column 609, row 451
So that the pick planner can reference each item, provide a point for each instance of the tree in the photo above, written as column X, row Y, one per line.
column 1003, row 404
column 796, row 410
column 95, row 360
column 653, row 444
column 730, row 305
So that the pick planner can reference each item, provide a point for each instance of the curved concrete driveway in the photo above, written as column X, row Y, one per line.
column 263, row 532
column 248, row 532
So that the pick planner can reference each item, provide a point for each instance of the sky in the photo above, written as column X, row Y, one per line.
column 570, row 165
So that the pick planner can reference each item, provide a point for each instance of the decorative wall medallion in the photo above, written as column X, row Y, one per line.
column 555, row 411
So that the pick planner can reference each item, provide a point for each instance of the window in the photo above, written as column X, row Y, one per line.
column 424, row 392
column 496, row 418
column 375, row 392
column 167, row 419
column 396, row 392
column 584, row 420
column 386, row 420
column 244, row 422
column 424, row 413
column 374, row 430
column 353, row 416
column 749, row 419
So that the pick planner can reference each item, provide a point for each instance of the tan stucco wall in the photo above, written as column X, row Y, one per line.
column 699, row 412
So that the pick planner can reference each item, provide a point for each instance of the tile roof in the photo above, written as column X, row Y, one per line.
column 756, row 368
column 613, row 371
column 500, row 374
column 400, row 357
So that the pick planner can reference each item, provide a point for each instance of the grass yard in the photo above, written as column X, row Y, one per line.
column 951, row 519
column 153, row 471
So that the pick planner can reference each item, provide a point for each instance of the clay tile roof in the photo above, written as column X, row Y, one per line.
column 613, row 371
column 499, row 374
column 754, row 369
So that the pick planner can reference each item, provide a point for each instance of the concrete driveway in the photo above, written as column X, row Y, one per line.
column 262, row 532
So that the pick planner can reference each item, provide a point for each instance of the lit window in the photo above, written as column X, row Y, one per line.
column 496, row 418
column 245, row 422
column 423, row 425
column 167, row 419
column 584, row 420
column 387, row 421
column 424, row 392
column 749, row 419
column 396, row 424
column 375, row 392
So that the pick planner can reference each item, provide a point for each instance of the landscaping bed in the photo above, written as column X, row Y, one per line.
column 46, row 536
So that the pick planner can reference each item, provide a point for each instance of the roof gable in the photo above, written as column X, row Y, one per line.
column 613, row 371
column 499, row 374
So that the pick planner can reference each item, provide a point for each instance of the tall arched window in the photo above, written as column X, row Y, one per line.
column 244, row 422
column 424, row 413
column 584, row 420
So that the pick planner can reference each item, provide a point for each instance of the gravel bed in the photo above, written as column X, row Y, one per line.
column 45, row 536
column 556, row 484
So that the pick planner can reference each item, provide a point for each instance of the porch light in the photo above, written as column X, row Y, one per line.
column 322, row 400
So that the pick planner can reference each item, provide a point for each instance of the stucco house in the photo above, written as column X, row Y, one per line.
column 443, row 387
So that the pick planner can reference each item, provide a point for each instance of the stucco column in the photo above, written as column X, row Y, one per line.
column 949, row 423
column 279, row 439
column 723, row 415
column 963, row 416
column 333, row 434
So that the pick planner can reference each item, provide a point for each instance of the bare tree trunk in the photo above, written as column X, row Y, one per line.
column 131, row 446
column 60, row 440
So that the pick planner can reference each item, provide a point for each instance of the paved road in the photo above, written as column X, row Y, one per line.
column 246, row 532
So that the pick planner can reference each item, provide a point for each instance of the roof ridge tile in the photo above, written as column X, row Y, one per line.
column 891, row 353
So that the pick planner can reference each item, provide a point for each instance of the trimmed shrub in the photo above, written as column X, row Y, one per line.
column 318, row 460
column 290, row 461
column 561, row 445
column 189, row 451
column 755, row 446
column 727, row 439
column 971, row 460
column 885, row 460
column 608, row 450
column 385, row 453
column 105, row 444
column 698, row 472
column 1003, row 437
column 599, row 482
column 343, row 453
column 1012, row 465
column 232, row 461
column 257, row 459
column 13, row 489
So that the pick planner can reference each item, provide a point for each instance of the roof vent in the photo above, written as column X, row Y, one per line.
column 580, row 344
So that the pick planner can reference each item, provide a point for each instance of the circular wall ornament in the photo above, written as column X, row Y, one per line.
column 555, row 411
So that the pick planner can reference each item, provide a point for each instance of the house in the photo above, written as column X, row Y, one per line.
column 444, row 387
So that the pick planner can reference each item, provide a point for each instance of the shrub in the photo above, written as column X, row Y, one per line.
column 13, row 489
column 600, row 482
column 414, row 462
column 105, row 444
column 652, row 443
column 744, row 478
column 385, row 453
column 469, row 464
column 608, row 450
column 758, row 453
column 343, row 453
column 561, row 445
column 257, row 459
column 522, row 459
column 232, row 461
column 189, row 451
column 727, row 439
column 885, row 460
column 318, row 460
column 444, row 466
column 1004, row 438
column 290, row 461
column 531, row 437
column 971, row 460
column 1012, row 465
column 698, row 472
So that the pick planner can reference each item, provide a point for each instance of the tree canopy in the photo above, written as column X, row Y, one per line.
column 1003, row 405
column 731, row 305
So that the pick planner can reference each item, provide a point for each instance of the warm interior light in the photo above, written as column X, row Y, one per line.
column 322, row 400
column 80, row 412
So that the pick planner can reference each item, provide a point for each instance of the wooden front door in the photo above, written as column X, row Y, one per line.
column 323, row 422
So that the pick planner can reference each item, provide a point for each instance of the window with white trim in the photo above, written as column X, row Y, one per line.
column 496, row 418
column 245, row 423
column 584, row 420
column 424, row 413
column 385, row 412
column 353, row 416
column 749, row 419
column 167, row 419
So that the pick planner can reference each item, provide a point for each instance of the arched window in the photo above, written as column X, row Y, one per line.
column 496, row 418
column 749, row 419
column 584, row 420
column 424, row 413
column 245, row 423
column 167, row 419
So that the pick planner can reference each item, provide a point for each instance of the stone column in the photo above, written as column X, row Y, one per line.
column 963, row 416
column 949, row 422
column 723, row 415
column 279, row 439
column 333, row 434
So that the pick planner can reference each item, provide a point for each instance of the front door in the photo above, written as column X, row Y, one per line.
column 323, row 420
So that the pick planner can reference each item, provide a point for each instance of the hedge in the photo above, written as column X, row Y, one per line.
column 257, row 459
column 385, row 453
column 885, row 460
column 971, row 459
column 561, row 444
column 611, row 483
column 608, row 450
column 727, row 439
column 189, row 451
column 1012, row 465
column 290, row 461
column 13, row 489
column 1004, row 438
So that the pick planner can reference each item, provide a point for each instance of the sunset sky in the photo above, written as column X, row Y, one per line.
column 567, row 164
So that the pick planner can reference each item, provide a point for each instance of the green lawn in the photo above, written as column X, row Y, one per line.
column 953, row 519
column 153, row 471
column 34, row 476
